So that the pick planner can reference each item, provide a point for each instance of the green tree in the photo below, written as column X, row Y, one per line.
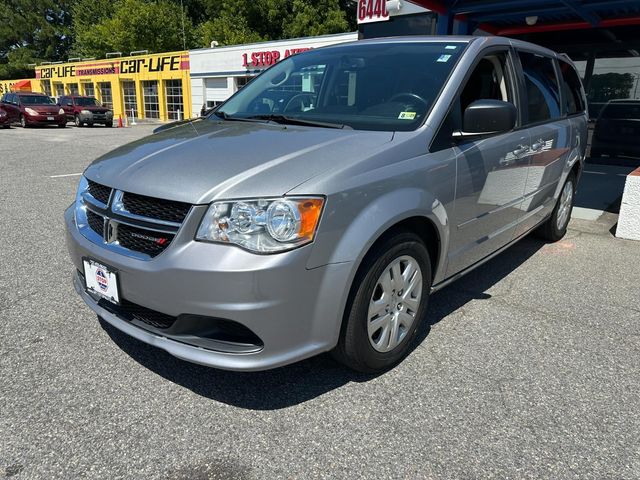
column 610, row 86
column 133, row 25
column 32, row 31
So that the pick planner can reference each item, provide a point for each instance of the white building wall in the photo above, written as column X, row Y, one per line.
column 214, row 70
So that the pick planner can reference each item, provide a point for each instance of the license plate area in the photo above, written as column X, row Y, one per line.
column 51, row 119
column 101, row 280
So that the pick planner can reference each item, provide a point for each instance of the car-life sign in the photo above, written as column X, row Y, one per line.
column 372, row 11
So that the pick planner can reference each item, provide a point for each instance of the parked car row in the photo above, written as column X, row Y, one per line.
column 31, row 108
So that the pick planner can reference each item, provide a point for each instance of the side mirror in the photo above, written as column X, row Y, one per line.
column 485, row 117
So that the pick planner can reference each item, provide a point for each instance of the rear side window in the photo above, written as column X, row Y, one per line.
column 571, row 90
column 621, row 111
column 543, row 92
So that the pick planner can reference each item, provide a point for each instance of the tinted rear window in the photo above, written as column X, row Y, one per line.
column 571, row 90
column 622, row 111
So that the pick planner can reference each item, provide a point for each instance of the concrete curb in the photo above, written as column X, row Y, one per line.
column 629, row 220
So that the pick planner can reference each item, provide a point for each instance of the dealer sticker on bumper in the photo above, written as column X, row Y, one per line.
column 101, row 280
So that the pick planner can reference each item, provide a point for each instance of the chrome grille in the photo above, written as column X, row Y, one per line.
column 130, row 224
column 99, row 192
column 155, row 208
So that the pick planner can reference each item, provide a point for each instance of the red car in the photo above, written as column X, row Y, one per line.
column 85, row 111
column 7, row 116
column 33, row 109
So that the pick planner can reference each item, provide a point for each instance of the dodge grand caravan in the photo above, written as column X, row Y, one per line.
column 318, row 208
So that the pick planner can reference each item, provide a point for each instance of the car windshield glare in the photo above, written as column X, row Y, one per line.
column 87, row 102
column 387, row 87
column 36, row 100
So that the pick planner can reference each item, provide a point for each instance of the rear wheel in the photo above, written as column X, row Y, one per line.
column 386, row 305
column 556, row 226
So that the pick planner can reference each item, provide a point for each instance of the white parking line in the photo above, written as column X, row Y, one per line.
column 66, row 175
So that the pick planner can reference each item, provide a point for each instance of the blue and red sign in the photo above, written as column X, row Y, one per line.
column 103, row 281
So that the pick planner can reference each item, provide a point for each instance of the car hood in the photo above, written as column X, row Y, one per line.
column 94, row 109
column 44, row 108
column 208, row 160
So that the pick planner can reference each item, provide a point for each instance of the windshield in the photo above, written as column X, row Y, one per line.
column 87, row 102
column 36, row 100
column 365, row 87
column 622, row 111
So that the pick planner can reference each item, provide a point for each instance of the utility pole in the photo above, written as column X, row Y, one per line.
column 184, row 40
column 635, row 93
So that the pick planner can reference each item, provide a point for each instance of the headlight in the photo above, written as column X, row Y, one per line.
column 30, row 111
column 86, row 112
column 61, row 111
column 83, row 186
column 109, row 113
column 2, row 113
column 262, row 226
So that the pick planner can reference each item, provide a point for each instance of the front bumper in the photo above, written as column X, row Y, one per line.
column 44, row 119
column 296, row 312
column 101, row 118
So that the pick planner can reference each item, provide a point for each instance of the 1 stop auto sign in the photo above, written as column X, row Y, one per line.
column 372, row 11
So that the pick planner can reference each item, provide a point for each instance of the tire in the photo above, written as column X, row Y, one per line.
column 109, row 125
column 363, row 348
column 6, row 126
column 76, row 120
column 62, row 125
column 595, row 154
column 23, row 122
column 555, row 227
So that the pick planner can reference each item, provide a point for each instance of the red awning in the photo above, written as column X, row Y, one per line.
column 22, row 86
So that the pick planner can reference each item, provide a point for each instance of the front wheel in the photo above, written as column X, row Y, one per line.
column 386, row 305
column 77, row 121
column 555, row 228
column 23, row 122
column 109, row 124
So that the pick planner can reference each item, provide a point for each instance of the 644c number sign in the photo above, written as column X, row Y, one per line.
column 372, row 11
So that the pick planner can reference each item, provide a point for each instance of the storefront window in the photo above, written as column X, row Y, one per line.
column 59, row 88
column 73, row 89
column 46, row 87
column 242, row 81
column 106, row 97
column 175, row 101
column 151, row 101
column 130, row 98
column 89, row 91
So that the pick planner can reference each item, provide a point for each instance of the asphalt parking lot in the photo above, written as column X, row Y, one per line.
column 528, row 369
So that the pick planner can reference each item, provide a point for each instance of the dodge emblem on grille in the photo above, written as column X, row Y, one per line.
column 110, row 233
column 149, row 238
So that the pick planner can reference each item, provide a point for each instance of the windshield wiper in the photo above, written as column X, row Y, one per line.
column 229, row 118
column 283, row 119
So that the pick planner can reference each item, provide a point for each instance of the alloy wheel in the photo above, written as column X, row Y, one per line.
column 564, row 207
column 394, row 303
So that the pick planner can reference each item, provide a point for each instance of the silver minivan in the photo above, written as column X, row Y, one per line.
column 319, row 207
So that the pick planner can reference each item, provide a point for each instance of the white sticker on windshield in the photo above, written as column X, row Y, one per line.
column 444, row 58
column 407, row 116
column 450, row 47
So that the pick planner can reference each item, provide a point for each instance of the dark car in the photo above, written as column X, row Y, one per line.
column 86, row 111
column 7, row 116
column 34, row 109
column 617, row 129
